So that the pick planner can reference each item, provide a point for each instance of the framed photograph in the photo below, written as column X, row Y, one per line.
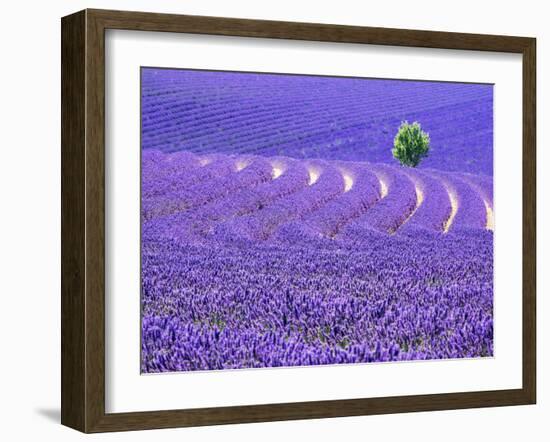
column 267, row 220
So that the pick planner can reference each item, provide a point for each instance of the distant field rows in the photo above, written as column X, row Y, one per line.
column 314, row 117
column 257, row 198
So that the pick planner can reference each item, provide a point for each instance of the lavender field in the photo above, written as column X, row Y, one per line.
column 278, row 230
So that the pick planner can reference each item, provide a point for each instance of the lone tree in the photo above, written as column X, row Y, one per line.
column 411, row 144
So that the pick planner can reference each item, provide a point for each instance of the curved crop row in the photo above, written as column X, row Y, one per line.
column 246, row 172
column 326, row 182
column 256, row 197
column 484, row 186
column 362, row 190
column 482, row 183
column 435, row 209
column 155, row 166
column 471, row 211
column 391, row 211
column 176, row 169
column 289, row 176
column 151, row 203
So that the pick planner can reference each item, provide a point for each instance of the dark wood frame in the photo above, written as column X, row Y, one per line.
column 83, row 218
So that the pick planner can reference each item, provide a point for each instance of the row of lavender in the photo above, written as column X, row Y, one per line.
column 235, row 197
column 313, row 117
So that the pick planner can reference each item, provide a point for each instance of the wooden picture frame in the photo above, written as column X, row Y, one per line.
column 83, row 220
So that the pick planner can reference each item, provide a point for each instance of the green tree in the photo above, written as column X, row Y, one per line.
column 411, row 144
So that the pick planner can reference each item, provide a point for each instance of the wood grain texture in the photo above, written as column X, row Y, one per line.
column 529, row 221
column 73, row 128
column 83, row 220
column 95, row 222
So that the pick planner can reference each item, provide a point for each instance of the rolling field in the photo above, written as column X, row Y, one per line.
column 277, row 230
column 307, row 117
